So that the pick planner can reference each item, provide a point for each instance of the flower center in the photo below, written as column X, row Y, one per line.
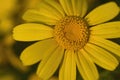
column 71, row 33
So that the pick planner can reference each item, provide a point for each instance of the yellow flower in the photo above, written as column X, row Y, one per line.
column 7, row 7
column 67, row 38
column 7, row 21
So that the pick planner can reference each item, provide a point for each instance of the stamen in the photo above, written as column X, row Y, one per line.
column 71, row 33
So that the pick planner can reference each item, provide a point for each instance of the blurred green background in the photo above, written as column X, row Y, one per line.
column 11, row 68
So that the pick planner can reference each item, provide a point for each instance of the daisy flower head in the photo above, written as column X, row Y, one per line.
column 69, row 38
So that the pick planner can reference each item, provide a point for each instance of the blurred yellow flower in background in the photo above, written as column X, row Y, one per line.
column 7, row 22
column 67, row 37
column 7, row 7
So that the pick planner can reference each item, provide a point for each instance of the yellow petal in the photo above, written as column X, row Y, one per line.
column 56, row 6
column 50, row 63
column 32, row 32
column 36, row 51
column 79, row 7
column 103, row 13
column 35, row 16
column 74, row 7
column 101, row 57
column 67, row 6
column 84, row 8
column 107, row 30
column 86, row 66
column 48, row 12
column 68, row 68
column 106, row 44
